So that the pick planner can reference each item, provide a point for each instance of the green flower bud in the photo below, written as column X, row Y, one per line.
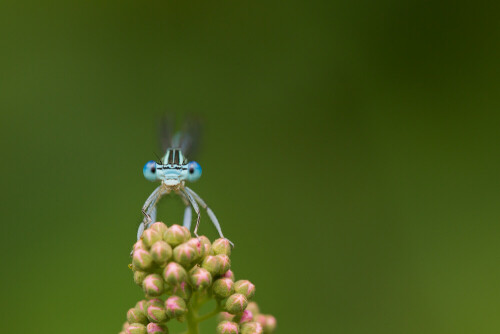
column 125, row 326
column 153, row 285
column 154, row 328
column 227, row 327
column 153, row 301
column 156, row 312
column 161, row 252
column 251, row 327
column 254, row 308
column 229, row 274
column 246, row 316
column 175, row 307
column 213, row 264
column 225, row 263
column 182, row 290
column 135, row 315
column 268, row 323
column 206, row 245
column 174, row 274
column 136, row 329
column 224, row 316
column 223, row 288
column 184, row 254
column 139, row 276
column 199, row 248
column 139, row 245
column 159, row 227
column 142, row 260
column 236, row 303
column 149, row 237
column 176, row 235
column 200, row 278
column 142, row 306
column 245, row 287
column 221, row 246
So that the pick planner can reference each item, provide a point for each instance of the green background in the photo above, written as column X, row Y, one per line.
column 351, row 152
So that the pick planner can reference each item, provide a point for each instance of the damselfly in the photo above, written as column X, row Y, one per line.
column 173, row 170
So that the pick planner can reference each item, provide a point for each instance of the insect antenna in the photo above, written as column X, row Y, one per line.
column 160, row 160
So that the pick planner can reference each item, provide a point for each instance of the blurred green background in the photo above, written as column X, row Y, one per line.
column 351, row 152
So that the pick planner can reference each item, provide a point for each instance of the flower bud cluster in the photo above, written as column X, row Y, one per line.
column 173, row 268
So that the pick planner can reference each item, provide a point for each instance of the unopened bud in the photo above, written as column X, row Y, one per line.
column 156, row 312
column 221, row 246
column 182, row 290
column 225, row 316
column 236, row 303
column 225, row 263
column 161, row 252
column 142, row 260
column 175, row 307
column 142, row 306
column 246, row 317
column 269, row 324
column 154, row 328
column 184, row 254
column 198, row 247
column 223, row 288
column 136, row 329
column 135, row 315
column 159, row 227
column 227, row 327
column 153, row 285
column 174, row 274
column 206, row 245
column 175, row 235
column 251, row 328
column 213, row 264
column 229, row 274
column 139, row 245
column 149, row 237
column 245, row 288
column 254, row 308
column 200, row 278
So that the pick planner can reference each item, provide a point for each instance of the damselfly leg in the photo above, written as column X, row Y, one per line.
column 210, row 213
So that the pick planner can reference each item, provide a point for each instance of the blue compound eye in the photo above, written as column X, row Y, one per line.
column 149, row 171
column 194, row 171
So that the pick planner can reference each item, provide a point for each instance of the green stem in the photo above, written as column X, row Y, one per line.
column 192, row 315
column 209, row 315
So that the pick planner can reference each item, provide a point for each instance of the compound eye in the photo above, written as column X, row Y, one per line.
column 149, row 171
column 194, row 171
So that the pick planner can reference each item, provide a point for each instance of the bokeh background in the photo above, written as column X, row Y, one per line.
column 351, row 151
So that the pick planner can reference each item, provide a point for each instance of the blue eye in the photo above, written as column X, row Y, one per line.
column 149, row 171
column 194, row 171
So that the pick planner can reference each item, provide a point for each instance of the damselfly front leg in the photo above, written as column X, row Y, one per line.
column 209, row 212
column 187, row 211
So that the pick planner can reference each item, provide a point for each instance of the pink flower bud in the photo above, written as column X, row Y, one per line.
column 245, row 288
column 175, row 307
column 236, row 303
column 136, row 329
column 142, row 260
column 225, row 263
column 200, row 278
column 174, row 274
column 213, row 264
column 161, row 252
column 149, row 237
column 176, row 235
column 227, row 327
column 223, row 288
column 221, row 246
column 251, row 328
column 184, row 254
column 154, row 328
column 153, row 285
column 246, row 316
